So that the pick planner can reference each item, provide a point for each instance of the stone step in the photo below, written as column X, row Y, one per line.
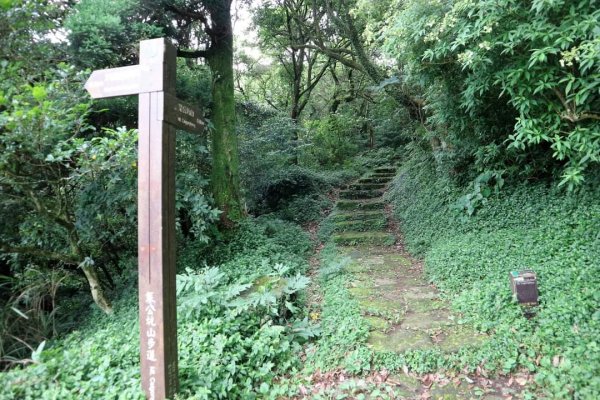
column 360, row 194
column 376, row 204
column 385, row 170
column 357, row 215
column 367, row 186
column 378, row 175
column 376, row 238
column 360, row 225
column 375, row 179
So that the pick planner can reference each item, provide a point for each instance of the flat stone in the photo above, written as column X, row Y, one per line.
column 423, row 305
column 373, row 260
column 384, row 281
column 399, row 340
column 367, row 186
column 375, row 204
column 420, row 293
column 360, row 225
column 373, row 267
column 405, row 387
column 368, row 237
column 454, row 338
column 408, row 382
column 433, row 319
column 385, row 170
column 377, row 323
column 376, row 179
column 361, row 292
column 356, row 194
column 380, row 306
column 397, row 259
column 408, row 281
column 451, row 391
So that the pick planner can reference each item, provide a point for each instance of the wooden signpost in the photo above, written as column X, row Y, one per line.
column 160, row 112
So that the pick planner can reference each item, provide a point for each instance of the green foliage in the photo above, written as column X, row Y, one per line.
column 272, row 180
column 101, row 31
column 333, row 140
column 305, row 209
column 236, row 332
column 483, row 187
column 529, row 68
column 262, row 237
column 20, row 22
column 344, row 331
column 67, row 196
column 28, row 317
column 528, row 227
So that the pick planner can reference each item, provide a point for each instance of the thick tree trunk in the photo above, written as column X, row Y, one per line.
column 225, row 175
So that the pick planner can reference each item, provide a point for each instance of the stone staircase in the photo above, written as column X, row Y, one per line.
column 404, row 311
column 360, row 216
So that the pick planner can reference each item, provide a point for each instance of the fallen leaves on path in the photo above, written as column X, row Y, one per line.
column 429, row 386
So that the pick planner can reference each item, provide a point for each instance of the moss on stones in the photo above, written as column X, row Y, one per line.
column 369, row 237
column 360, row 194
column 456, row 337
column 433, row 319
column 360, row 225
column 377, row 204
column 399, row 340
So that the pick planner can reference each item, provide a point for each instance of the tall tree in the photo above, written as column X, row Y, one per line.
column 215, row 17
column 284, row 26
column 337, row 32
column 201, row 29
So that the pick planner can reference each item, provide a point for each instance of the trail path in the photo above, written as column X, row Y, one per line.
column 403, row 310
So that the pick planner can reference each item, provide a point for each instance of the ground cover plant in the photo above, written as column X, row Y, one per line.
column 525, row 227
column 240, row 324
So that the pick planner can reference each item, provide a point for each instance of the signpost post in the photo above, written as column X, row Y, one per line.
column 160, row 112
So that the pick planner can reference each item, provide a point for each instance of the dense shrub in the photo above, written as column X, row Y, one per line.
column 513, row 81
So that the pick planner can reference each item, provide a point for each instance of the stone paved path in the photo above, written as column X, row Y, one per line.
column 404, row 311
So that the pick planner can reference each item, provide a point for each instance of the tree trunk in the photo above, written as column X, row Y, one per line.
column 100, row 299
column 225, row 176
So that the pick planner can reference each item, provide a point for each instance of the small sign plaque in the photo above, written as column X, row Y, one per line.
column 182, row 115
column 524, row 287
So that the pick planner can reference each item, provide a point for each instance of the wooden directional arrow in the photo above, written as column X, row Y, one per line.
column 122, row 81
column 181, row 115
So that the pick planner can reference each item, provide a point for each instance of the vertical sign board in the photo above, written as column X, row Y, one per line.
column 160, row 112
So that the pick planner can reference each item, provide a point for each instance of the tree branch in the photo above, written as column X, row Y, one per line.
column 194, row 53
column 37, row 252
column 334, row 55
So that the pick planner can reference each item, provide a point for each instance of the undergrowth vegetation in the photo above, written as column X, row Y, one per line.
column 533, row 226
column 241, row 323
